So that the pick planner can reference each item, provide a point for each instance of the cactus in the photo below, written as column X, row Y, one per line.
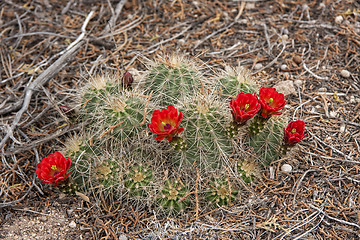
column 95, row 93
column 119, row 114
column 205, row 133
column 234, row 80
column 137, row 180
column 107, row 174
column 266, row 143
column 221, row 193
column 172, row 80
column 247, row 169
column 173, row 197
column 118, row 154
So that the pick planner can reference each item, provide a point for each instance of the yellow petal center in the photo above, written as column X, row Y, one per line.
column 53, row 167
column 246, row 106
column 271, row 100
column 293, row 130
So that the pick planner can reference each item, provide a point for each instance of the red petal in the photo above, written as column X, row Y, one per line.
column 160, row 137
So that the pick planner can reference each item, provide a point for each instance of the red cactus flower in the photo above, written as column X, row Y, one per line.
column 53, row 168
column 271, row 101
column 244, row 107
column 294, row 132
column 165, row 123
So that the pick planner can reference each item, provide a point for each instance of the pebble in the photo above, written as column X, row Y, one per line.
column 352, row 99
column 345, row 73
column 272, row 173
column 286, row 168
column 339, row 19
column 298, row 83
column 181, row 41
column 286, row 87
column 258, row 66
column 322, row 89
column 297, row 59
column 250, row 5
column 122, row 237
column 283, row 67
column 285, row 37
column 342, row 128
column 243, row 21
column 72, row 224
column 333, row 114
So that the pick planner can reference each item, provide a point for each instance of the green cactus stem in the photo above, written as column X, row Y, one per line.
column 266, row 143
column 172, row 80
column 257, row 124
column 138, row 180
column 173, row 197
column 221, row 193
column 247, row 170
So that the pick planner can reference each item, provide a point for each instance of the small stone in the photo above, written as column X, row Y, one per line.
column 250, row 5
column 69, row 211
column 258, row 66
column 181, row 41
column 62, row 195
column 72, row 224
column 318, row 106
column 345, row 73
column 243, row 21
column 298, row 83
column 122, row 237
column 283, row 67
column 272, row 172
column 285, row 37
column 286, row 168
column 342, row 128
column 43, row 218
column 285, row 87
column 333, row 114
column 339, row 19
column 322, row 89
column 297, row 59
column 352, row 99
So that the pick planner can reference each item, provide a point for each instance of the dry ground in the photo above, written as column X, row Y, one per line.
column 306, row 41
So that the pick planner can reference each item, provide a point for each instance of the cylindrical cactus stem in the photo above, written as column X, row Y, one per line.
column 247, row 169
column 138, row 180
column 68, row 186
column 173, row 197
column 266, row 144
column 178, row 143
column 221, row 193
column 234, row 129
column 257, row 124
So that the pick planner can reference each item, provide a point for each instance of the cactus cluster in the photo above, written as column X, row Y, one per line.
column 117, row 154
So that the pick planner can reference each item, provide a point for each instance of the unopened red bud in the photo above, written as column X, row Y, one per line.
column 65, row 109
column 127, row 80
